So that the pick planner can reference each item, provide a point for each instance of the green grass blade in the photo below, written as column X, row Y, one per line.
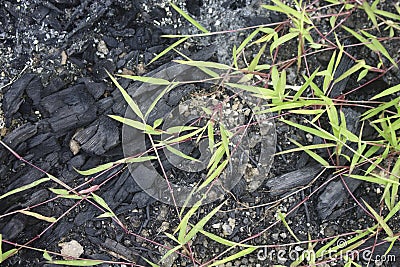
column 97, row 169
column 145, row 79
column 38, row 216
column 189, row 18
column 99, row 200
column 233, row 257
column 223, row 241
column 135, row 124
column 350, row 71
column 169, row 48
column 283, row 39
column 313, row 155
column 132, row 104
column 303, row 148
column 199, row 226
column 322, row 134
column 389, row 91
column 205, row 64
column 77, row 262
column 64, row 193
column 380, row 220
column 183, row 225
column 180, row 153
column 154, row 103
column 370, row 13
column 25, row 187
column 215, row 174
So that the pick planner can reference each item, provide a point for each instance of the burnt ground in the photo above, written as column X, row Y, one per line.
column 55, row 100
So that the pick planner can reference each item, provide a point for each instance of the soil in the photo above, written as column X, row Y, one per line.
column 56, row 96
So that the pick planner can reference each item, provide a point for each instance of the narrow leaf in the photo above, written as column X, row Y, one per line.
column 38, row 216
column 189, row 18
column 233, row 257
column 25, row 187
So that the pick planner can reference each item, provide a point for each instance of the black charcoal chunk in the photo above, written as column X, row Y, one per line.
column 13, row 228
column 334, row 196
column 12, row 98
column 293, row 180
column 69, row 109
column 142, row 199
column 99, row 137
column 21, row 134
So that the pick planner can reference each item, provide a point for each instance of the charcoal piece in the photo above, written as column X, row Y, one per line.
column 15, row 226
column 94, row 88
column 46, row 147
column 288, row 182
column 119, row 249
column 34, row 90
column 54, row 234
column 36, row 197
column 40, row 13
column 77, row 162
column 345, row 64
column 12, row 98
column 38, row 139
column 70, row 108
column 104, row 104
column 142, row 199
column 334, row 196
column 55, row 85
column 83, row 217
column 100, row 69
column 21, row 134
column 110, row 41
column 194, row 6
column 99, row 137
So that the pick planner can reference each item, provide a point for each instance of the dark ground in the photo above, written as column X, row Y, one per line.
column 55, row 98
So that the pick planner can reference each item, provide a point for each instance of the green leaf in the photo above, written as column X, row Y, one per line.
column 183, row 225
column 8, row 253
column 303, row 148
column 97, row 169
column 25, row 187
column 189, row 18
column 169, row 48
column 389, row 91
column 313, row 155
column 199, row 226
column 379, row 47
column 180, row 153
column 132, row 104
column 99, row 200
column 106, row 215
column 367, row 8
column 247, row 40
column 283, row 39
column 135, row 124
column 145, row 79
column 223, row 241
column 210, row 134
column 46, row 256
column 253, row 89
column 322, row 134
column 38, row 216
column 233, row 257
column 380, row 220
column 206, row 64
column 154, row 103
column 350, row 71
column 149, row 262
column 77, row 262
column 256, row 59
column 225, row 139
column 64, row 193
column 215, row 174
